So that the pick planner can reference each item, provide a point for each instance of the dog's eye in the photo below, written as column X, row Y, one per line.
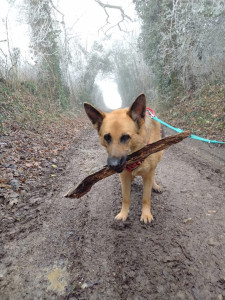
column 107, row 138
column 124, row 138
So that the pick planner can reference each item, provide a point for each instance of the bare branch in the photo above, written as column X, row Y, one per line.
column 55, row 8
column 124, row 17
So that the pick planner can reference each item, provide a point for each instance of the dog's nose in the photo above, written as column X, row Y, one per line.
column 116, row 163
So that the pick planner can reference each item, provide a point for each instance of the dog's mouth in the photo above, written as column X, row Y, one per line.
column 119, row 170
column 116, row 163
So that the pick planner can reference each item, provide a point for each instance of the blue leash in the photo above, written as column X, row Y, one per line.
column 192, row 136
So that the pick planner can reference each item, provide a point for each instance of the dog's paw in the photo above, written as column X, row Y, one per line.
column 122, row 216
column 157, row 189
column 146, row 217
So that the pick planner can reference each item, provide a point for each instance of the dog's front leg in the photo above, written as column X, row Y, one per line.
column 126, row 179
column 146, row 215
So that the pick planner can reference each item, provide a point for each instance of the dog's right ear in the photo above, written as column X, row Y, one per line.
column 137, row 110
column 96, row 116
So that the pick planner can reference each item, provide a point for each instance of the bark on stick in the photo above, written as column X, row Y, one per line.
column 84, row 187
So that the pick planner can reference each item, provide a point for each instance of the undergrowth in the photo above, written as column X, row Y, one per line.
column 202, row 112
column 21, row 109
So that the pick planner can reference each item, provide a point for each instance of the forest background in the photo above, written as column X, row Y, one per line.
column 172, row 50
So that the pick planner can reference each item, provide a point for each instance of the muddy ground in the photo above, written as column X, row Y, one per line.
column 74, row 249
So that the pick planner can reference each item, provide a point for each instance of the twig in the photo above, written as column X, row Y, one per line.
column 124, row 17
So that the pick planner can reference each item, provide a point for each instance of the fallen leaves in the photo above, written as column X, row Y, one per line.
column 29, row 163
column 26, row 156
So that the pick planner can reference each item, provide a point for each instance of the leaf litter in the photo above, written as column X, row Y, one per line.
column 30, row 161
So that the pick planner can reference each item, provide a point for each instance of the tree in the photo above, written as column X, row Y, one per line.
column 182, row 42
column 97, row 60
column 131, row 72
column 45, row 37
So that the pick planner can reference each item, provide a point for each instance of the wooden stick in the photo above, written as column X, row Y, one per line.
column 84, row 187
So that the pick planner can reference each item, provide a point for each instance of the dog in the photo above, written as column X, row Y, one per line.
column 122, row 132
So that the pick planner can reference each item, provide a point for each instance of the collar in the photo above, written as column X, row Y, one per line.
column 131, row 168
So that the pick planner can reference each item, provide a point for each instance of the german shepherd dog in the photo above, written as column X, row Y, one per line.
column 122, row 132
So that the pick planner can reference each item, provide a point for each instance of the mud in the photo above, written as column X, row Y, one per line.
column 74, row 249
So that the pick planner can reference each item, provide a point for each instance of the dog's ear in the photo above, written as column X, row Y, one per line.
column 96, row 116
column 137, row 110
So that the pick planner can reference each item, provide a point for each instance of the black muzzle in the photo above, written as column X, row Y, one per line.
column 116, row 163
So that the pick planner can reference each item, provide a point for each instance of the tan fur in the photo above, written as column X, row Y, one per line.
column 141, row 130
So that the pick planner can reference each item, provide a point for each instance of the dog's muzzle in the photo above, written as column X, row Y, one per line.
column 116, row 163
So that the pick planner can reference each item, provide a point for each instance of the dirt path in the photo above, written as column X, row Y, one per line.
column 74, row 249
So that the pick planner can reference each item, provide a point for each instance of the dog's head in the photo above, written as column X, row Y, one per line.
column 121, row 131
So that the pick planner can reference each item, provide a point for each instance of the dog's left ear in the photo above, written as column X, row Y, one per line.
column 96, row 116
column 137, row 110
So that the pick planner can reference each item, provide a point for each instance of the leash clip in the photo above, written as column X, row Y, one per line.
column 150, row 112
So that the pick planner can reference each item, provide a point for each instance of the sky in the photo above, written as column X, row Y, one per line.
column 88, row 18
column 83, row 18
column 110, row 93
